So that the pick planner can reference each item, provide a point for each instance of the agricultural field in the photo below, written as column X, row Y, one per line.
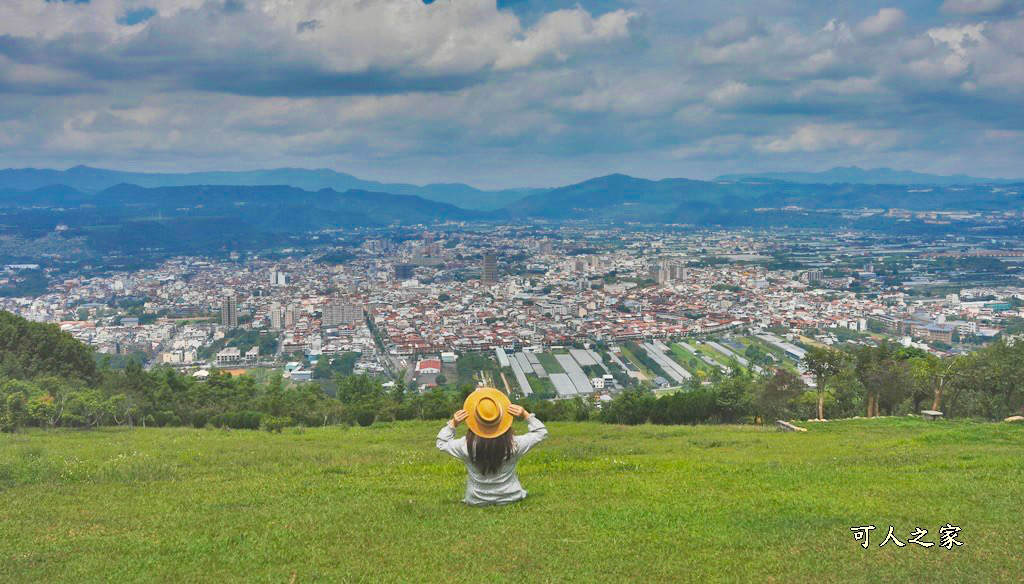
column 607, row 504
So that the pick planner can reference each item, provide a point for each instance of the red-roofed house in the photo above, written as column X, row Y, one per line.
column 428, row 366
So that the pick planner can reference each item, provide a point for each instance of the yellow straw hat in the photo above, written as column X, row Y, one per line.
column 488, row 412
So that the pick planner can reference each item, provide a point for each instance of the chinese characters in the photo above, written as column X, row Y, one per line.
column 948, row 534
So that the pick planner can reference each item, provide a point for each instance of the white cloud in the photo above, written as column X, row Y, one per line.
column 255, row 47
column 401, row 90
column 884, row 21
column 560, row 32
column 823, row 137
column 729, row 93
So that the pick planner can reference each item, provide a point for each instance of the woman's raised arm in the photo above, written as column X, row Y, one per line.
column 446, row 441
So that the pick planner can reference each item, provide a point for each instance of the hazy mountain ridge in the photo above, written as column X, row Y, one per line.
column 615, row 197
column 271, row 206
column 874, row 176
column 92, row 180
column 621, row 197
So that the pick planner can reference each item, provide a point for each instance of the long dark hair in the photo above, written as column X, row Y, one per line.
column 488, row 454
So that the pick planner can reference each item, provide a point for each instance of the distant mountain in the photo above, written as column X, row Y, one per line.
column 92, row 180
column 279, row 208
column 874, row 176
column 138, row 221
column 619, row 197
column 50, row 195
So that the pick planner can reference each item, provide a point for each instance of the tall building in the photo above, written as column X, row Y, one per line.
column 229, row 311
column 489, row 275
column 291, row 314
column 278, row 278
column 337, row 313
column 276, row 317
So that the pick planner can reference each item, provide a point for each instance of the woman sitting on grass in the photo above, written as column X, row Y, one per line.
column 490, row 449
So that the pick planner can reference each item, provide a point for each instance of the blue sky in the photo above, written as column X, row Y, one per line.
column 514, row 92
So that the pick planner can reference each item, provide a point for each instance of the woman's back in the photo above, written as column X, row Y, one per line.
column 501, row 485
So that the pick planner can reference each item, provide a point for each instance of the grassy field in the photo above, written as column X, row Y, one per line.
column 606, row 504
column 549, row 363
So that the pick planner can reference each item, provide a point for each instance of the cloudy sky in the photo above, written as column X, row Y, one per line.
column 513, row 92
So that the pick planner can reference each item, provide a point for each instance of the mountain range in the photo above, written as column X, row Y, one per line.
column 624, row 198
column 277, row 208
column 874, row 176
column 93, row 180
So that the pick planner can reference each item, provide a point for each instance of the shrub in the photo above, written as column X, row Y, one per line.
column 165, row 418
column 237, row 420
column 275, row 423
column 366, row 417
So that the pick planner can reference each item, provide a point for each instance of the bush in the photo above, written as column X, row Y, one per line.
column 166, row 418
column 406, row 411
column 275, row 423
column 237, row 420
column 199, row 420
column 366, row 417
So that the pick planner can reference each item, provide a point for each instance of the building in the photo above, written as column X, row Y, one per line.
column 489, row 275
column 935, row 332
column 229, row 312
column 404, row 271
column 278, row 278
column 337, row 313
column 427, row 366
column 229, row 355
column 276, row 317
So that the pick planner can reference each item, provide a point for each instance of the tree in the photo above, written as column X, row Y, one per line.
column 632, row 407
column 30, row 349
column 823, row 364
column 775, row 393
column 734, row 397
column 359, row 389
column 935, row 374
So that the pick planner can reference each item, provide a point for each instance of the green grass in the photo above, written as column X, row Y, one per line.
column 715, row 355
column 549, row 363
column 629, row 357
column 687, row 360
column 606, row 504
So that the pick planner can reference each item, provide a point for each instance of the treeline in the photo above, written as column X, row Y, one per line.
column 887, row 379
column 48, row 379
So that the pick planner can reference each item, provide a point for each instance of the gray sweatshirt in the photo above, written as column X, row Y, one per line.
column 502, row 486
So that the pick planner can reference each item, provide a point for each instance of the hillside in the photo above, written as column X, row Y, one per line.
column 857, row 175
column 625, row 198
column 200, row 219
column 606, row 504
column 282, row 208
column 92, row 180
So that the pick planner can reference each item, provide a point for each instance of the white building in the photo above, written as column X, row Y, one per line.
column 229, row 355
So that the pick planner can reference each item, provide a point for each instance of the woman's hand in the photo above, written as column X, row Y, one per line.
column 458, row 418
column 517, row 411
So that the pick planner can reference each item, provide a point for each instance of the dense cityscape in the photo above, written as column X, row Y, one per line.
column 404, row 304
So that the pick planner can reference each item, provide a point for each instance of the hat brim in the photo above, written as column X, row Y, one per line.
column 474, row 424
